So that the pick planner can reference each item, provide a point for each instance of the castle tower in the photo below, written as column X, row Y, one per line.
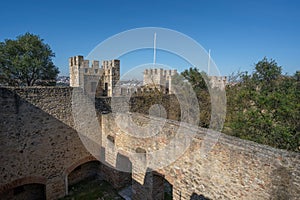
column 75, row 66
column 154, row 77
column 171, row 73
column 93, row 78
column 159, row 78
column 111, row 75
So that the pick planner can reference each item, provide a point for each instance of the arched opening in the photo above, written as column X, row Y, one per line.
column 161, row 188
column 87, row 171
column 155, row 186
column 32, row 191
column 168, row 190
column 90, row 179
column 87, row 181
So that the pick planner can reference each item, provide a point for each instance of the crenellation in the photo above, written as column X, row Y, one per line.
column 160, row 79
column 94, row 79
column 95, row 64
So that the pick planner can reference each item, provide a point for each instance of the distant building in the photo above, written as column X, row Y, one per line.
column 160, row 79
column 63, row 80
column 94, row 79
column 128, row 88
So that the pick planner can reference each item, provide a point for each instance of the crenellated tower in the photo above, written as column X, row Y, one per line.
column 159, row 78
column 94, row 79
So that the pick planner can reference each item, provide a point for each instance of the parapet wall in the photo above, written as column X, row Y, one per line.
column 232, row 169
column 38, row 143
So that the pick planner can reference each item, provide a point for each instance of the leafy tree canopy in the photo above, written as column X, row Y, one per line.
column 266, row 70
column 195, row 78
column 26, row 61
column 265, row 107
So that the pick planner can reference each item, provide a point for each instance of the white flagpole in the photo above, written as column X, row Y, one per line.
column 208, row 64
column 154, row 49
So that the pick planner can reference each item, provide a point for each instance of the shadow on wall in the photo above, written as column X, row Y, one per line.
column 32, row 191
column 117, row 178
column 32, row 128
column 155, row 186
column 36, row 143
column 282, row 185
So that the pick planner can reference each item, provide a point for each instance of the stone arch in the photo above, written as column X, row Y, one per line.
column 78, row 163
column 162, row 186
column 8, row 190
column 169, row 183
column 73, row 167
column 165, row 175
column 152, row 185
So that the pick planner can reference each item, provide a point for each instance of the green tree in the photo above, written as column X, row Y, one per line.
column 198, row 81
column 196, row 78
column 26, row 61
column 266, row 70
column 297, row 76
column 264, row 107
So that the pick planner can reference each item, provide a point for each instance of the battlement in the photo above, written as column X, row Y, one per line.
column 108, row 64
column 76, row 61
column 89, row 77
column 159, row 78
column 160, row 72
column 79, row 62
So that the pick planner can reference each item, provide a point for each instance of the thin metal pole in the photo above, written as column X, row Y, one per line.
column 208, row 64
column 154, row 49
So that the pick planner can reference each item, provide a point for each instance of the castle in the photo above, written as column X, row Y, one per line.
column 93, row 79
column 162, row 80
column 159, row 78
column 42, row 155
column 102, row 80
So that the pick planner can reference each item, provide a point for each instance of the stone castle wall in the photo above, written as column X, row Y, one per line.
column 95, row 78
column 37, row 138
column 160, row 78
column 233, row 169
column 39, row 144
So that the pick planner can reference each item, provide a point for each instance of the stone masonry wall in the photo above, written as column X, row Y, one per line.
column 39, row 144
column 233, row 169
column 37, row 138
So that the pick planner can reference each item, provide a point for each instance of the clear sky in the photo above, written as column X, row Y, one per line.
column 238, row 32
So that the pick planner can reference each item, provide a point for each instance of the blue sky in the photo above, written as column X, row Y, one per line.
column 238, row 32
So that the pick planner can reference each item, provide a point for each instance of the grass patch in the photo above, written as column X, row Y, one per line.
column 92, row 189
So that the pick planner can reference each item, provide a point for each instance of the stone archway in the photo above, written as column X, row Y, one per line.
column 87, row 167
column 91, row 172
column 31, row 188
column 155, row 187
column 90, row 169
column 161, row 187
